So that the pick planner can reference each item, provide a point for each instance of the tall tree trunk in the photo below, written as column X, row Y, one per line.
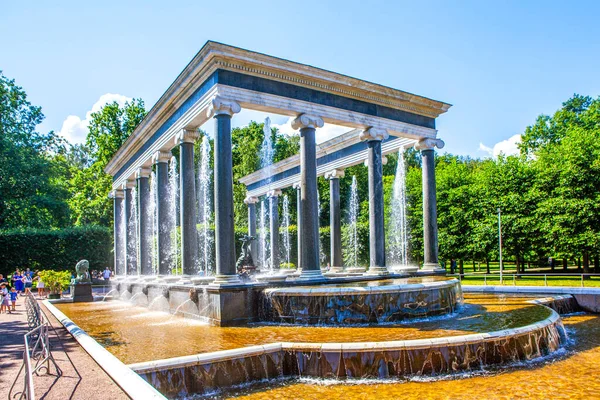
column 596, row 265
column 565, row 264
column 461, row 268
column 487, row 266
column 579, row 264
column 474, row 265
column 586, row 264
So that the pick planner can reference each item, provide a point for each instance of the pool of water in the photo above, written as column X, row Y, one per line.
column 572, row 374
column 135, row 334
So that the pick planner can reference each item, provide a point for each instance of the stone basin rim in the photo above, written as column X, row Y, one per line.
column 346, row 347
column 326, row 290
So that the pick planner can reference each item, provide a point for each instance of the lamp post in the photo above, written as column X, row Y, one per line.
column 500, row 242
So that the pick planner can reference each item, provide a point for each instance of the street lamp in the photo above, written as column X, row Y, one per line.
column 500, row 242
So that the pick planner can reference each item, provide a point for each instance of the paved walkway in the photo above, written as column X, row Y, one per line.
column 82, row 378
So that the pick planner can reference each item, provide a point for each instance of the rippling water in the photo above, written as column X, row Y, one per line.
column 135, row 334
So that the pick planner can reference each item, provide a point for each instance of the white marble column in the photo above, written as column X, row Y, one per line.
column 430, row 227
column 373, row 137
column 118, row 250
column 309, row 229
column 273, row 197
column 187, row 200
column 251, row 202
column 335, row 219
column 221, row 110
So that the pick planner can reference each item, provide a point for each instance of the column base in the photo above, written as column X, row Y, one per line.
column 311, row 275
column 435, row 267
column 378, row 271
column 336, row 269
column 227, row 280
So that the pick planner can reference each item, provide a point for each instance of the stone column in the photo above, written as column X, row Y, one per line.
column 222, row 110
column 309, row 229
column 298, row 187
column 119, row 253
column 144, row 224
column 374, row 136
column 161, row 162
column 251, row 202
column 335, row 219
column 187, row 201
column 273, row 197
column 130, row 231
column 430, row 228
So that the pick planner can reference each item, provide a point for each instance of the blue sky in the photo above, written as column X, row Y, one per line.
column 499, row 63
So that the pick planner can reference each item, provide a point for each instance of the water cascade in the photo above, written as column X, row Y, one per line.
column 353, row 219
column 399, row 231
column 205, row 235
column 152, row 223
column 123, row 226
column 262, row 237
column 133, row 249
column 266, row 149
column 322, row 256
column 286, row 229
column 173, row 193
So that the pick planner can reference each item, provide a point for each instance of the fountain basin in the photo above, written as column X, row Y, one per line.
column 361, row 303
column 272, row 278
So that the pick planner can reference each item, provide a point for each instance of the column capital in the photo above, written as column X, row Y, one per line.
column 161, row 157
column 222, row 106
column 129, row 184
column 274, row 193
column 186, row 136
column 374, row 134
column 429, row 144
column 297, row 185
column 307, row 121
column 116, row 194
column 251, row 200
column 335, row 174
column 143, row 172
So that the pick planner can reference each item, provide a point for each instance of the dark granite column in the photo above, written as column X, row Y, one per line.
column 119, row 253
column 161, row 162
column 222, row 110
column 309, row 230
column 335, row 220
column 298, row 188
column 374, row 136
column 144, row 223
column 251, row 202
column 273, row 197
column 187, row 201
column 130, row 231
column 430, row 228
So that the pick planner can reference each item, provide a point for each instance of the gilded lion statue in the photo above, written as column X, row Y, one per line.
column 83, row 275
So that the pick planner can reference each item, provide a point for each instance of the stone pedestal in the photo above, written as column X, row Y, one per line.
column 231, row 305
column 82, row 292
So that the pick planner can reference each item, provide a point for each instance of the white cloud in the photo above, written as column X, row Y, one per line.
column 507, row 147
column 328, row 131
column 75, row 129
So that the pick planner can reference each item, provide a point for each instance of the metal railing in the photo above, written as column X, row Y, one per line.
column 37, row 356
column 518, row 276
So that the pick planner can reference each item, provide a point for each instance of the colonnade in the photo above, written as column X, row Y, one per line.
column 307, row 222
column 132, row 261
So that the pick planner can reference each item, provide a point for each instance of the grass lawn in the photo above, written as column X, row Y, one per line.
column 524, row 280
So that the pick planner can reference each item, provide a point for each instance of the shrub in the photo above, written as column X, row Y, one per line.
column 55, row 249
column 55, row 281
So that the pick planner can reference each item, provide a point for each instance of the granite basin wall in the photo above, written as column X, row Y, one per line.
column 210, row 372
column 359, row 305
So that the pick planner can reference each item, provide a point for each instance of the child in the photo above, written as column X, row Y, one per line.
column 13, row 298
column 4, row 304
column 41, row 287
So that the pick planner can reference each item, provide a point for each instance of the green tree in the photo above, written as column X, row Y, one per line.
column 28, row 196
column 90, row 185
